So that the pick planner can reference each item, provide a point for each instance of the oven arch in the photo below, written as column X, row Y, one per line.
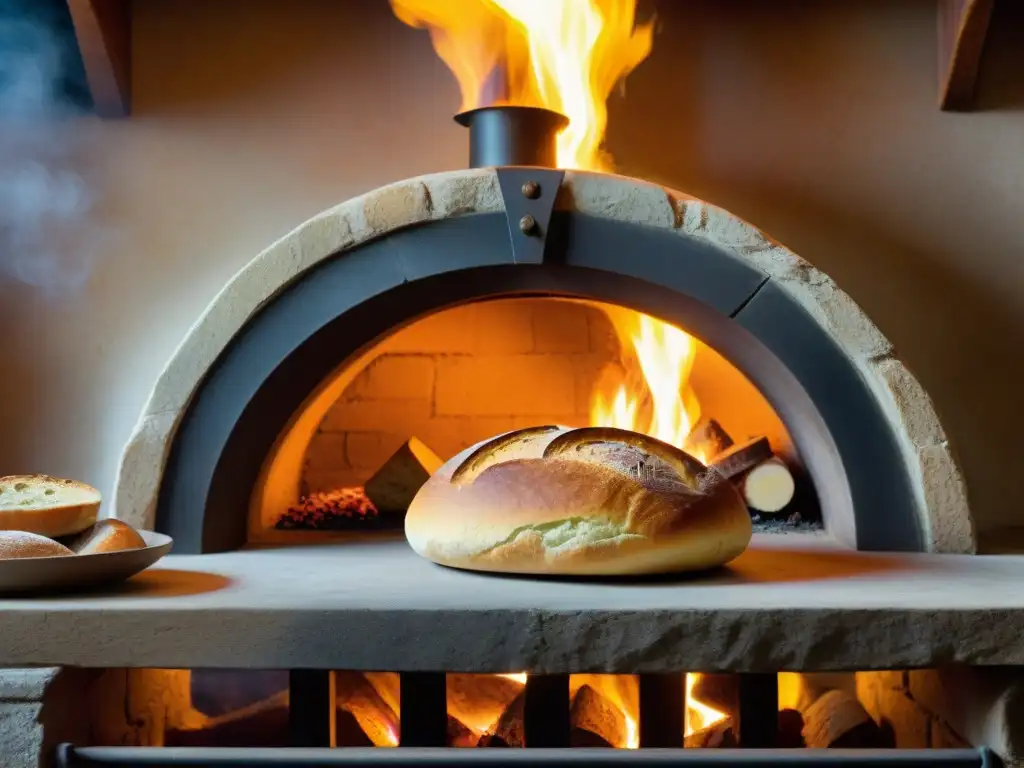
column 867, row 431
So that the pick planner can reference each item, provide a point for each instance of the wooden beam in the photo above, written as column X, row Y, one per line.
column 104, row 32
column 963, row 27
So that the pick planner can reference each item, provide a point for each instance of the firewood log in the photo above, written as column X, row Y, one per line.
column 357, row 695
column 838, row 720
column 720, row 735
column 509, row 732
column 480, row 700
column 707, row 439
column 768, row 487
column 592, row 714
column 263, row 724
column 460, row 735
column 392, row 487
column 741, row 457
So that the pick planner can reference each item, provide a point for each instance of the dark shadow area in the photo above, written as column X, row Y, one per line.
column 1001, row 77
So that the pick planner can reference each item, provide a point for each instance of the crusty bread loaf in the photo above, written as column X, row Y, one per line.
column 18, row 544
column 553, row 500
column 46, row 505
column 107, row 536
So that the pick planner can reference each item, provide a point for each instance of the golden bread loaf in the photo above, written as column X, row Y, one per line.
column 592, row 501
column 107, row 535
column 18, row 544
column 46, row 505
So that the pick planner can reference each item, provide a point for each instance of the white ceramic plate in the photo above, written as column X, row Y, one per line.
column 57, row 574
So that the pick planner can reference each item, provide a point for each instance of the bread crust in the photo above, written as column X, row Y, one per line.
column 589, row 502
column 59, row 518
column 22, row 544
column 109, row 535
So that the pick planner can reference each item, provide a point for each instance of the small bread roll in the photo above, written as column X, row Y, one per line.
column 47, row 505
column 108, row 535
column 594, row 501
column 20, row 544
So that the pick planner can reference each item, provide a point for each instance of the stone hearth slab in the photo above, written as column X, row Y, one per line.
column 787, row 603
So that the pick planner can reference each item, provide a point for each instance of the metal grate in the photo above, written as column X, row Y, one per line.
column 546, row 726
column 194, row 757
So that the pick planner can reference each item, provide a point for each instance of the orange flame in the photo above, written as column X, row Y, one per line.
column 659, row 367
column 698, row 714
column 564, row 55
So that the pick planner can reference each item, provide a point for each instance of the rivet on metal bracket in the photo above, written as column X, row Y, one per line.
column 529, row 195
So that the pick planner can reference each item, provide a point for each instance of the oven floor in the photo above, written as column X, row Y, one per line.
column 788, row 603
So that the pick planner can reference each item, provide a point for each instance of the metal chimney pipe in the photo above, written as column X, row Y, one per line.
column 507, row 135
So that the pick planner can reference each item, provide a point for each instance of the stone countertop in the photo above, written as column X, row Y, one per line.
column 787, row 603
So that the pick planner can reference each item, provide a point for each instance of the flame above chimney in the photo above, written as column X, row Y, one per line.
column 562, row 55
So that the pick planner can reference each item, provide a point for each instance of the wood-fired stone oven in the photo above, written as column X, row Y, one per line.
column 920, row 641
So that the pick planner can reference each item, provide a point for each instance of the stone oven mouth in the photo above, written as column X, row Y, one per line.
column 461, row 375
column 852, row 440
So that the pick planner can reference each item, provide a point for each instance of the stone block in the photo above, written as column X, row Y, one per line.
column 835, row 311
column 951, row 528
column 911, row 407
column 447, row 435
column 326, row 451
column 616, row 198
column 396, row 205
column 394, row 416
column 503, row 327
column 449, row 331
column 523, row 385
column 21, row 734
column 394, row 377
column 369, row 450
column 560, row 326
column 25, row 684
column 475, row 191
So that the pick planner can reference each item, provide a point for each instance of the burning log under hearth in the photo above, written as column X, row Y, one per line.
column 596, row 721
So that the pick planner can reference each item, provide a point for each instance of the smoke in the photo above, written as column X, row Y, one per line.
column 47, row 237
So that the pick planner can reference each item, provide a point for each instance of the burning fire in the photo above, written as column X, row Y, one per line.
column 565, row 55
column 654, row 396
column 698, row 714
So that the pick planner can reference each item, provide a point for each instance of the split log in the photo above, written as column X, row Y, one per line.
column 348, row 732
column 742, row 457
column 708, row 439
column 720, row 735
column 357, row 696
column 837, row 720
column 480, row 700
column 595, row 720
column 218, row 692
column 392, row 487
column 768, row 487
column 460, row 735
column 263, row 724
column 510, row 731
column 721, row 692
